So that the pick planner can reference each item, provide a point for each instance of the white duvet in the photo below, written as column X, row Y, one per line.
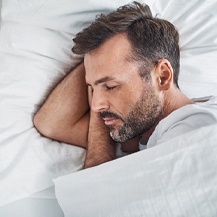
column 35, row 54
column 177, row 178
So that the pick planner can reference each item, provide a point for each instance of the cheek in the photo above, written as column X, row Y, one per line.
column 124, row 101
column 120, row 104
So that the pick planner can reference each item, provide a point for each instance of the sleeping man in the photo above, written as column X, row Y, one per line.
column 130, row 80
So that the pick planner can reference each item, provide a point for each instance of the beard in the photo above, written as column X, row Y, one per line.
column 144, row 115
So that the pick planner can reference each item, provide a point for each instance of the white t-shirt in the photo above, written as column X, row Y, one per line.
column 190, row 117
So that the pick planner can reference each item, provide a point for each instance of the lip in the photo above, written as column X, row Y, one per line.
column 110, row 121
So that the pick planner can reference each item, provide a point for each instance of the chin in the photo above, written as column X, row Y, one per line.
column 115, row 137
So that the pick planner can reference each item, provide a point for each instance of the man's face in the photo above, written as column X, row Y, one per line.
column 128, row 105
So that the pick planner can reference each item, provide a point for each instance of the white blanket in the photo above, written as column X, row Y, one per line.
column 177, row 178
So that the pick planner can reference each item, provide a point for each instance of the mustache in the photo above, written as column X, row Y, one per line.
column 107, row 114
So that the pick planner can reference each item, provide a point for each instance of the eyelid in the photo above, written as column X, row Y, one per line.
column 110, row 88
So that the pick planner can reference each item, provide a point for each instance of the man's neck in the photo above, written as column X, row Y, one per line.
column 174, row 100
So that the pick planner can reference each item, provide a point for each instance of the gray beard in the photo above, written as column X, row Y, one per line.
column 146, row 114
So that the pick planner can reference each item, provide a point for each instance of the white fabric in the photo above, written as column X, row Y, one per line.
column 183, row 120
column 177, row 178
column 35, row 53
column 34, row 56
column 0, row 12
column 42, row 204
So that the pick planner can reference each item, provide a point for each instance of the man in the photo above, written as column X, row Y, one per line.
column 131, row 64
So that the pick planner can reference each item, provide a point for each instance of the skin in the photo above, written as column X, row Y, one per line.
column 121, row 96
column 64, row 116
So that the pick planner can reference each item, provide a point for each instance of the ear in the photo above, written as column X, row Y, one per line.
column 164, row 74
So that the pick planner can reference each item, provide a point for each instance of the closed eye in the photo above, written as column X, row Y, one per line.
column 110, row 87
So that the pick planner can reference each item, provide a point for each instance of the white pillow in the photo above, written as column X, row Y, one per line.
column 196, row 23
column 0, row 12
column 35, row 53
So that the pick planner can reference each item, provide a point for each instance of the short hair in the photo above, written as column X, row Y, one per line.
column 151, row 38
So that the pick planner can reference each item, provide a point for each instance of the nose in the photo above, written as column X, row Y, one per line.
column 99, row 102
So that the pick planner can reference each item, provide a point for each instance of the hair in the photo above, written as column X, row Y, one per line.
column 151, row 38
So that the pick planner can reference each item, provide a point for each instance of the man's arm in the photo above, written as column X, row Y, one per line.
column 101, row 148
column 65, row 114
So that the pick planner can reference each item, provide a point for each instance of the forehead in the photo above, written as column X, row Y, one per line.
column 112, row 58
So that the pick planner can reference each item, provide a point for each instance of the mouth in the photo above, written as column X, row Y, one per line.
column 110, row 121
column 110, row 118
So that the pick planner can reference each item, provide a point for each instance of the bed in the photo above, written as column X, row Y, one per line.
column 42, row 177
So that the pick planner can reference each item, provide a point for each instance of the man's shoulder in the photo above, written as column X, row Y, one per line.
column 203, row 106
column 201, row 113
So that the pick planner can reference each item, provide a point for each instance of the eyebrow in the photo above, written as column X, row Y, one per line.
column 103, row 80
